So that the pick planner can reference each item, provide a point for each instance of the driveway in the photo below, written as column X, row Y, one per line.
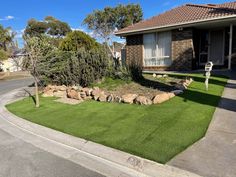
column 22, row 159
column 215, row 154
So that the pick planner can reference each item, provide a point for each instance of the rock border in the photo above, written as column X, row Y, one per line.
column 84, row 93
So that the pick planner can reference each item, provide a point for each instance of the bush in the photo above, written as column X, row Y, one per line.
column 76, row 40
column 83, row 67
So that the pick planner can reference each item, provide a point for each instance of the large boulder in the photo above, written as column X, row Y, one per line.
column 129, row 98
column 118, row 99
column 110, row 98
column 82, row 95
column 160, row 98
column 60, row 94
column 142, row 100
column 102, row 97
column 73, row 94
column 96, row 94
column 61, row 88
column 88, row 91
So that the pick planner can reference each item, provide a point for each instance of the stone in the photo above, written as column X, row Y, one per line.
column 159, row 76
column 160, row 98
column 96, row 88
column 177, row 92
column 180, row 87
column 48, row 93
column 110, row 98
column 118, row 99
column 154, row 75
column 171, row 95
column 142, row 100
column 61, row 88
column 96, row 93
column 73, row 94
column 102, row 98
column 165, row 75
column 129, row 98
column 82, row 95
column 60, row 94
column 88, row 91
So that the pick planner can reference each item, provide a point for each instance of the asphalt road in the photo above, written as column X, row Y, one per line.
column 21, row 159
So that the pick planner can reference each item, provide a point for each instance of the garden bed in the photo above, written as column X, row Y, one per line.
column 156, row 132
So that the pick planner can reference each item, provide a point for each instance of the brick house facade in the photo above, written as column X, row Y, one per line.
column 184, row 38
column 182, row 50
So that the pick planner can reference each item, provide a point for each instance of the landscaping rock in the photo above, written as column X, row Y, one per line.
column 102, row 98
column 48, row 93
column 142, row 100
column 118, row 99
column 160, row 98
column 96, row 93
column 159, row 76
column 61, row 88
column 82, row 95
column 73, row 94
column 180, row 86
column 88, row 91
column 171, row 95
column 110, row 98
column 154, row 75
column 60, row 94
column 177, row 92
column 129, row 98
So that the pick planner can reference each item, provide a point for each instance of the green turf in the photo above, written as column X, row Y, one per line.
column 156, row 132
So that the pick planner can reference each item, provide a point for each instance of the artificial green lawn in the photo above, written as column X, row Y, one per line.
column 156, row 132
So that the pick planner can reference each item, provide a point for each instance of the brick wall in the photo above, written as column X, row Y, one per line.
column 134, row 49
column 182, row 49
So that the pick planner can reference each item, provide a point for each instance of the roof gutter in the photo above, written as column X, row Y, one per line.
column 186, row 24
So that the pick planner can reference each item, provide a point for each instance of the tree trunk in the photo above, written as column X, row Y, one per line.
column 36, row 92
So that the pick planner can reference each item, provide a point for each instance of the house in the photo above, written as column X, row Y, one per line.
column 184, row 38
column 13, row 63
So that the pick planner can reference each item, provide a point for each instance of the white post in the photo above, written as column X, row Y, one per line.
column 230, row 45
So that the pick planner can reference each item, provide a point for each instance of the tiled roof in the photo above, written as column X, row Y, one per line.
column 184, row 14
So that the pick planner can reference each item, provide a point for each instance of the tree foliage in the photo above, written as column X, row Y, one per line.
column 76, row 40
column 50, row 26
column 6, row 38
column 104, row 22
column 3, row 55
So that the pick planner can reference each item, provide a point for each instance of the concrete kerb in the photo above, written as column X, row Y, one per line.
column 131, row 165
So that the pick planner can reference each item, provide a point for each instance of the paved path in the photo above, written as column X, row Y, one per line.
column 19, row 158
column 215, row 154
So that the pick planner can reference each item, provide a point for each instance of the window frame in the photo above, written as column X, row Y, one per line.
column 158, row 58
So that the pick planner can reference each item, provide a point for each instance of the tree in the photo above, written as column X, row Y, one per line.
column 36, row 49
column 6, row 38
column 3, row 55
column 50, row 26
column 104, row 22
column 76, row 40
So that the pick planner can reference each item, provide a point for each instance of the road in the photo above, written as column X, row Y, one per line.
column 21, row 159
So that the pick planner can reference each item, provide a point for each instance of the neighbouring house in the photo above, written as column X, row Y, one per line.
column 13, row 63
column 184, row 38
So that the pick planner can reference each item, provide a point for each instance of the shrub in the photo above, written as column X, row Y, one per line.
column 83, row 67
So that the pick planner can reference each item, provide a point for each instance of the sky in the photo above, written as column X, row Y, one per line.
column 16, row 13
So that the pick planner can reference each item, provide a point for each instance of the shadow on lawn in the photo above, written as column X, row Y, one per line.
column 195, row 96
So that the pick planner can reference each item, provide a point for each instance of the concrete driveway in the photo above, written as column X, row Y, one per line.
column 21, row 159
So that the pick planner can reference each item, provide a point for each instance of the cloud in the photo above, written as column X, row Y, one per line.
column 90, row 33
column 9, row 17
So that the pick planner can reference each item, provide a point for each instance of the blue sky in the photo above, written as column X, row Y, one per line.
column 16, row 13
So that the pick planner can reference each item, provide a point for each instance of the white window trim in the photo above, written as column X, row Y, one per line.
column 158, row 57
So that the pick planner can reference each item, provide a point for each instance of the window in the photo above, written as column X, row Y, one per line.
column 157, row 49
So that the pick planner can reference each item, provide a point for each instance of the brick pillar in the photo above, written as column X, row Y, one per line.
column 134, row 49
column 182, row 49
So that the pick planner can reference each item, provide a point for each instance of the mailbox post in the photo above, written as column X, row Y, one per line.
column 208, row 69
